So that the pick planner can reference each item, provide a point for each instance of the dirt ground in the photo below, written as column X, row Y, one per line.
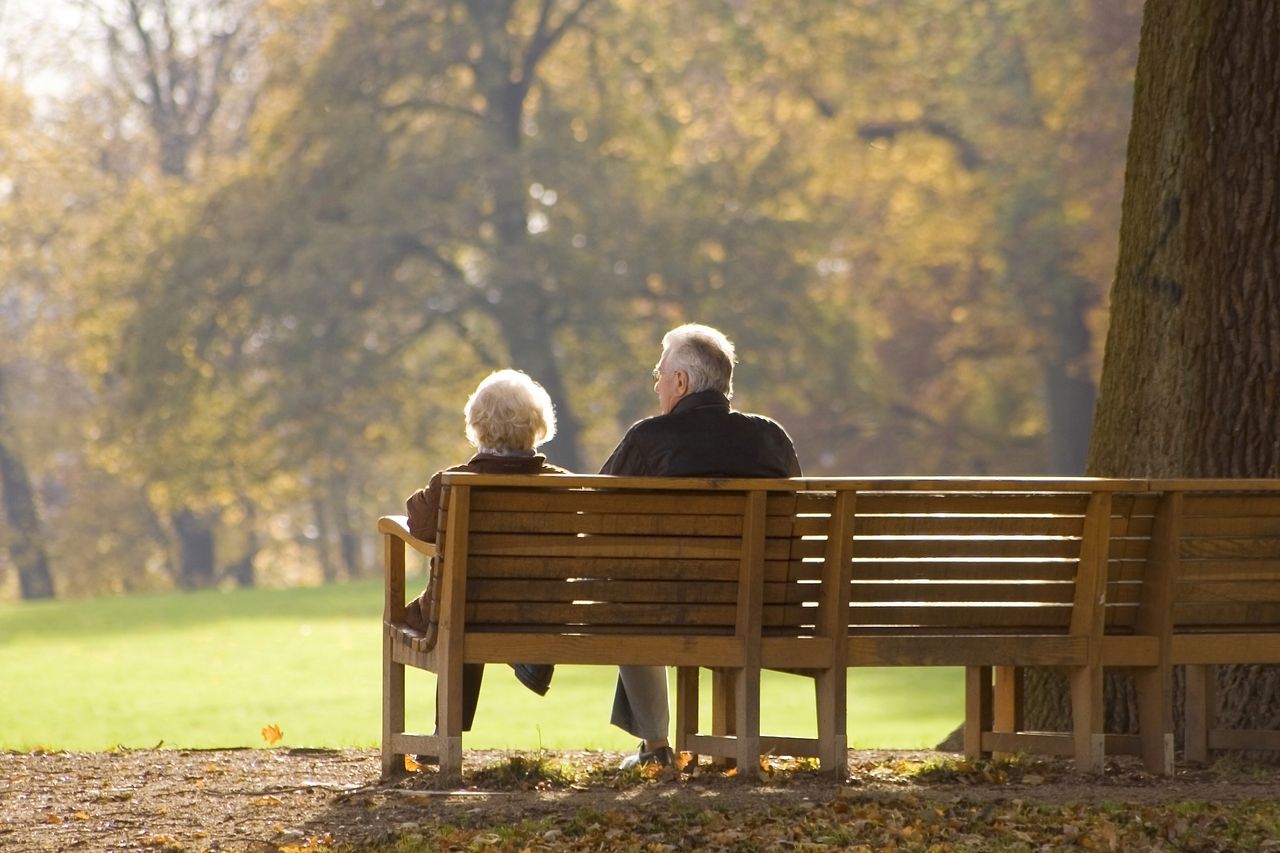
column 267, row 799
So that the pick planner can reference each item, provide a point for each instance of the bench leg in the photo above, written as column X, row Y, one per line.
column 1087, row 715
column 747, row 722
column 1154, row 686
column 978, row 713
column 724, row 713
column 833, row 720
column 392, row 710
column 686, row 707
column 1200, row 707
column 1006, row 710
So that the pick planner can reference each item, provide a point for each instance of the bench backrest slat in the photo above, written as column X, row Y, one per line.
column 1228, row 570
column 995, row 562
column 620, row 560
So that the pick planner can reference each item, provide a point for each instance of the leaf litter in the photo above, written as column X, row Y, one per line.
column 291, row 800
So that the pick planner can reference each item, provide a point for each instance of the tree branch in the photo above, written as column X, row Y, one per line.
column 544, row 39
column 969, row 155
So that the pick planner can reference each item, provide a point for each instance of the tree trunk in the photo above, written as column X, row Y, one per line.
column 26, row 547
column 519, row 303
column 1069, row 389
column 1192, row 369
column 1189, row 383
column 196, row 566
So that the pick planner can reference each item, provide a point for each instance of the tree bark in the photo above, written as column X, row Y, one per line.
column 1191, row 378
column 1189, row 383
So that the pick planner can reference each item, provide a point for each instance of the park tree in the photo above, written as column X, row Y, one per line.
column 186, row 72
column 281, row 317
column 20, row 248
column 1191, row 379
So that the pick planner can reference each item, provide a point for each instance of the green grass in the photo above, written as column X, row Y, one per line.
column 211, row 669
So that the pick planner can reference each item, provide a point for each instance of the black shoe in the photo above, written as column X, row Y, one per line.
column 535, row 676
column 663, row 756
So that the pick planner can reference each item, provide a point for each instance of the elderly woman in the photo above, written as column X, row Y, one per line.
column 508, row 416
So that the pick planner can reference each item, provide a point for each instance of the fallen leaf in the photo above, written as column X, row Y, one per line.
column 272, row 734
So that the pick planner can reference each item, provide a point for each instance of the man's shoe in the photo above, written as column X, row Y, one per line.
column 535, row 676
column 663, row 756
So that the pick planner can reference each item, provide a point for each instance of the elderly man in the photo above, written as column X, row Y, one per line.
column 697, row 435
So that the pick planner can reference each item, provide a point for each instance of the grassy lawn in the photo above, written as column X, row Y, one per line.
column 211, row 669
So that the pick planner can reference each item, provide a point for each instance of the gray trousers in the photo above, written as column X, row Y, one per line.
column 640, row 702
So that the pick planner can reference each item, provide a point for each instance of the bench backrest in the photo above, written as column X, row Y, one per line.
column 597, row 556
column 1228, row 568
column 1221, row 561
column 934, row 562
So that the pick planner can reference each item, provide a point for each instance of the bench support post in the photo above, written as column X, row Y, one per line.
column 1154, row 684
column 392, row 672
column 978, row 715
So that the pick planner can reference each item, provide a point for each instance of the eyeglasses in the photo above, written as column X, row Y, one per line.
column 657, row 374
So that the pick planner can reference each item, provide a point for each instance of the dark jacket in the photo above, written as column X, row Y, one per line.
column 424, row 505
column 703, row 437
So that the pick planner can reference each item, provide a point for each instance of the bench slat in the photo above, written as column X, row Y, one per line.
column 960, row 593
column 1202, row 614
column 966, row 525
column 640, row 503
column 706, row 592
column 976, row 618
column 950, row 650
column 1231, row 506
column 1254, row 547
column 692, row 618
column 1225, row 570
column 873, row 503
column 568, row 547
column 974, row 569
column 964, row 547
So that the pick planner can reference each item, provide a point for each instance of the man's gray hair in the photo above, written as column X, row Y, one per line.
column 509, row 412
column 704, row 354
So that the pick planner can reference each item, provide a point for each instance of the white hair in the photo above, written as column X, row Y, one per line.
column 704, row 354
column 509, row 412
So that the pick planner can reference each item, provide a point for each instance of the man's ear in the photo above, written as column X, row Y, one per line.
column 682, row 383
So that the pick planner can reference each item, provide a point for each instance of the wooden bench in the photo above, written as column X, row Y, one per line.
column 1195, row 582
column 819, row 575
column 569, row 569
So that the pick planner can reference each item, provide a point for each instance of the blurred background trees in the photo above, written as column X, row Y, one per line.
column 255, row 253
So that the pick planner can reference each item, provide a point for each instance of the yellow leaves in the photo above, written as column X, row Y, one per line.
column 164, row 842
column 314, row 842
column 272, row 734
column 411, row 765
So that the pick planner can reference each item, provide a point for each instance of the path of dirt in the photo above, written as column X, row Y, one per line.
column 264, row 799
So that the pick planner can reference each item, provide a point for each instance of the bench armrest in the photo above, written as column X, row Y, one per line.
column 398, row 526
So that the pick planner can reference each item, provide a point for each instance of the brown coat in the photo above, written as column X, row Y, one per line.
column 423, row 505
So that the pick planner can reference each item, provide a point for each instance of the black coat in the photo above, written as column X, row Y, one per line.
column 703, row 437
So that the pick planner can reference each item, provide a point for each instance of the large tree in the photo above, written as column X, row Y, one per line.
column 1191, row 378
